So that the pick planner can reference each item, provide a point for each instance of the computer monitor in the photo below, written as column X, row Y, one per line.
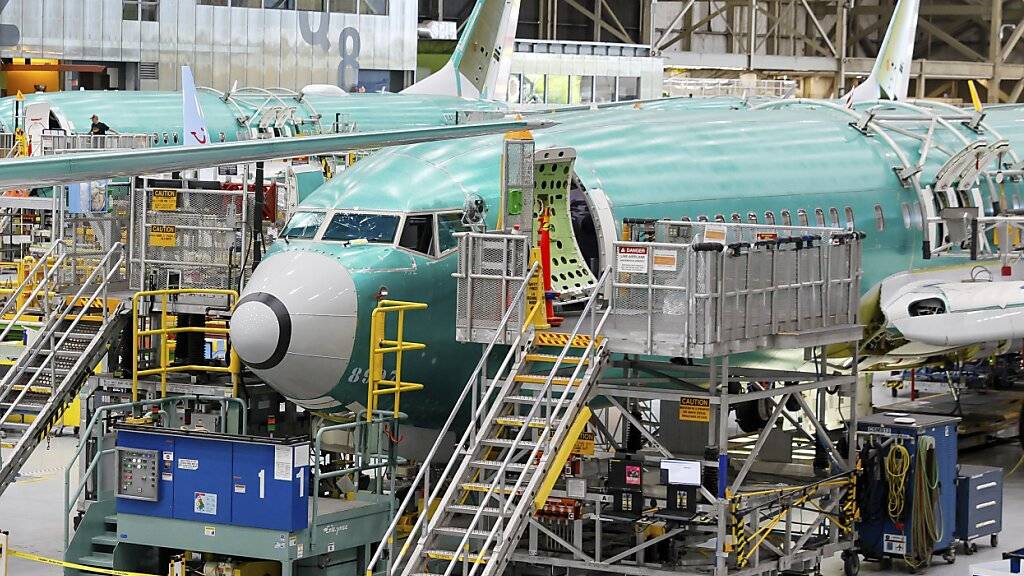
column 680, row 472
column 626, row 474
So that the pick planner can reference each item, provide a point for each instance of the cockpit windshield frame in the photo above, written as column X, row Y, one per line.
column 436, row 250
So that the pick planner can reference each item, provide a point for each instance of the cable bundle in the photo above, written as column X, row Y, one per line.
column 926, row 515
column 897, row 464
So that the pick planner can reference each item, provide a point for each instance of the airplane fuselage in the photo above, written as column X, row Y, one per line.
column 804, row 166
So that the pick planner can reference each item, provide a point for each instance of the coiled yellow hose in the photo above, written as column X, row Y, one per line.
column 897, row 464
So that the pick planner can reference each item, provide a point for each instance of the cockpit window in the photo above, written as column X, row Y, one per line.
column 378, row 228
column 418, row 234
column 303, row 225
column 447, row 226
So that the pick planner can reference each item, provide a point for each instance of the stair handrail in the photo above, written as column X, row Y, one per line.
column 422, row 477
column 55, row 321
column 13, row 296
column 546, row 434
column 6, row 382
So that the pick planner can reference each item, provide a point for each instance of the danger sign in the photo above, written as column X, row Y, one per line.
column 632, row 259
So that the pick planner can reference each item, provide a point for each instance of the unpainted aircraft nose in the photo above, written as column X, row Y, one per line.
column 295, row 325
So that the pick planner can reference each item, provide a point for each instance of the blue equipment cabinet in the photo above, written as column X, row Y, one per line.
column 202, row 483
column 216, row 478
column 163, row 506
column 880, row 536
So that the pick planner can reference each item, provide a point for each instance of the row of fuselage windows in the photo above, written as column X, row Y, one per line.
column 832, row 217
column 149, row 10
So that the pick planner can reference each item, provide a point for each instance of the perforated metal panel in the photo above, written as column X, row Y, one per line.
column 189, row 238
column 492, row 268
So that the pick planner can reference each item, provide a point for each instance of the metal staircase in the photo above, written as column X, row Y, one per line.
column 50, row 371
column 525, row 419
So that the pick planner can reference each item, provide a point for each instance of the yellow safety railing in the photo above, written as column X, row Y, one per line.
column 380, row 346
column 234, row 367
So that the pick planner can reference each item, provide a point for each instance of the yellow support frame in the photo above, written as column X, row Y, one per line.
column 234, row 367
column 380, row 346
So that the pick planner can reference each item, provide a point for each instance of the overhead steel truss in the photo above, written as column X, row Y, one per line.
column 957, row 40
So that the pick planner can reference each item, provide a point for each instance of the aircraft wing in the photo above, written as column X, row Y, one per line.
column 37, row 172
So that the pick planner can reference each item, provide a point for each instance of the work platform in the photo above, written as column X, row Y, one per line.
column 648, row 360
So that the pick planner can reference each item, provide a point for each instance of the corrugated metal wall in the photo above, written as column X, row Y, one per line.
column 255, row 47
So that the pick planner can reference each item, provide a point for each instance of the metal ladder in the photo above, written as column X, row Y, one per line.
column 521, row 419
column 51, row 370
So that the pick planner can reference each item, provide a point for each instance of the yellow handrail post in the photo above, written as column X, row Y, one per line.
column 165, row 354
column 377, row 383
column 164, row 333
column 135, row 348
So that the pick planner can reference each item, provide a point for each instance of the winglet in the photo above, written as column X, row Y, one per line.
column 482, row 60
column 194, row 132
column 890, row 75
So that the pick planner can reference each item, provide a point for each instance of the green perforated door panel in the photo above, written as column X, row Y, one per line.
column 570, row 276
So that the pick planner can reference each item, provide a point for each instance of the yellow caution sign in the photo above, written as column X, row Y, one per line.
column 163, row 236
column 695, row 409
column 165, row 200
column 80, row 567
column 585, row 444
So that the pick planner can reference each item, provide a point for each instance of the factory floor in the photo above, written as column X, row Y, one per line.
column 30, row 509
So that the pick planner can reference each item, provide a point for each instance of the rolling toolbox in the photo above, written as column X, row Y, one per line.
column 979, row 505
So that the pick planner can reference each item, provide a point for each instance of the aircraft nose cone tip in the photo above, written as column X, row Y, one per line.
column 295, row 326
column 263, row 330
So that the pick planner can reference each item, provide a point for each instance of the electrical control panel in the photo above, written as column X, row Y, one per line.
column 138, row 474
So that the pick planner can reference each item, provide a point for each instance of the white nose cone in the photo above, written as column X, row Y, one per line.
column 295, row 325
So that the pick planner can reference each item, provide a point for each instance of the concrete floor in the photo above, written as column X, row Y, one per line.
column 31, row 509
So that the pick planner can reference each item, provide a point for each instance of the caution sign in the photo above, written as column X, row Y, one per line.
column 584, row 444
column 715, row 233
column 665, row 260
column 165, row 200
column 695, row 409
column 632, row 259
column 163, row 236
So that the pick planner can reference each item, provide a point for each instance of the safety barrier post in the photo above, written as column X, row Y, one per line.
column 5, row 540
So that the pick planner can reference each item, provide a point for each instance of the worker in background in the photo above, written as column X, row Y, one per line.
column 98, row 128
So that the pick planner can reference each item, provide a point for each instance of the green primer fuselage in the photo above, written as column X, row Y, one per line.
column 651, row 164
column 160, row 113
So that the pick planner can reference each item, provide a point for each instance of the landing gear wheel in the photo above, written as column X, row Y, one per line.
column 994, row 540
column 851, row 563
column 895, row 393
column 949, row 555
column 750, row 417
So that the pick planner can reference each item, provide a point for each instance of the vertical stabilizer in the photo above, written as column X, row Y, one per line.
column 195, row 132
column 890, row 76
column 480, row 65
